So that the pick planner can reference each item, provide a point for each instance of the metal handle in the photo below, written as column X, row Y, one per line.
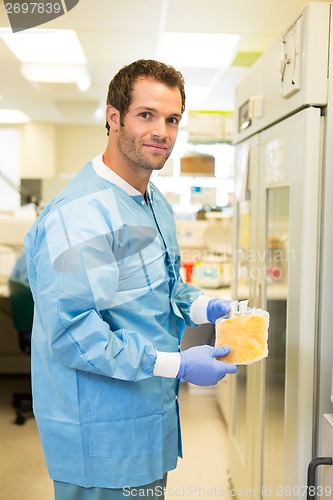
column 284, row 63
column 312, row 473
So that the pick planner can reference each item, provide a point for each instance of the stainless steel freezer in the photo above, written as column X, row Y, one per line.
column 284, row 257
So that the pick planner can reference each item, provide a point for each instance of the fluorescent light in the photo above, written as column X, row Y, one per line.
column 56, row 73
column 13, row 116
column 49, row 56
column 83, row 81
column 45, row 46
column 198, row 50
column 196, row 95
column 99, row 113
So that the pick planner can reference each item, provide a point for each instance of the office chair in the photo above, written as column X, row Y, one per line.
column 22, row 306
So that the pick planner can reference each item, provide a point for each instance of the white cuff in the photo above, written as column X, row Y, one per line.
column 198, row 311
column 167, row 364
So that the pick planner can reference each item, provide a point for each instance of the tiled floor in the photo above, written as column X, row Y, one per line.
column 23, row 474
column 201, row 473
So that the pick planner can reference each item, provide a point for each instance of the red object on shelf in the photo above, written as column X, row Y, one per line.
column 188, row 266
column 275, row 273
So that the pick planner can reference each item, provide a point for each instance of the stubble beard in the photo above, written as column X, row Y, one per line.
column 131, row 152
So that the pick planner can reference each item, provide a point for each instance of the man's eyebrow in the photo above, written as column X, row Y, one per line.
column 145, row 108
column 178, row 115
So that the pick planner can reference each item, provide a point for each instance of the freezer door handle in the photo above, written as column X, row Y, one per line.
column 312, row 474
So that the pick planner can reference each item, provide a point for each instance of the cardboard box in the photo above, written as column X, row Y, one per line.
column 197, row 165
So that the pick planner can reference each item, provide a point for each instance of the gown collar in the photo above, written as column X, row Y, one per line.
column 104, row 171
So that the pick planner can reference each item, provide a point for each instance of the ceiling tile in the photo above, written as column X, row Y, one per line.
column 114, row 33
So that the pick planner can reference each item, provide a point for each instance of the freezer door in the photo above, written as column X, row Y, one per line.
column 272, row 425
column 245, row 415
column 291, row 155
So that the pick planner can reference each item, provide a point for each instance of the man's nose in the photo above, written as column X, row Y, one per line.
column 159, row 129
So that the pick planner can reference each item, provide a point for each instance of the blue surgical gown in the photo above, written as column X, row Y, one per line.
column 104, row 272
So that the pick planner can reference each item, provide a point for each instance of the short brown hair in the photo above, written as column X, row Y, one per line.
column 121, row 86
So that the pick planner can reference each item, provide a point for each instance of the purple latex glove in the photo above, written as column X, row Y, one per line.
column 216, row 308
column 199, row 366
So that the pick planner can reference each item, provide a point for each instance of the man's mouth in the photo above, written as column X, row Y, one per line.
column 156, row 148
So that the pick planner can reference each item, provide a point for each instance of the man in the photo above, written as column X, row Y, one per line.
column 111, row 308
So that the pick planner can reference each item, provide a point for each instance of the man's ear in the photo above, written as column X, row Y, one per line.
column 112, row 117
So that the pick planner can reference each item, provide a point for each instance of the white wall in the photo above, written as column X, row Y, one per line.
column 38, row 150
column 76, row 145
column 10, row 146
column 53, row 150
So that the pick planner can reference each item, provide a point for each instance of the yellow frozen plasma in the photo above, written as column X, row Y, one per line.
column 246, row 334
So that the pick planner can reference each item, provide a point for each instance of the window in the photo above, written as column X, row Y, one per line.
column 9, row 168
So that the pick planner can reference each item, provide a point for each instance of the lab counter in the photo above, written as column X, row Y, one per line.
column 220, row 293
column 274, row 291
column 4, row 292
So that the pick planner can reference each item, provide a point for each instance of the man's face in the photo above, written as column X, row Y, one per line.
column 150, row 126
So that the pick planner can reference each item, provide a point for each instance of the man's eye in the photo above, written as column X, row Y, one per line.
column 174, row 121
column 145, row 114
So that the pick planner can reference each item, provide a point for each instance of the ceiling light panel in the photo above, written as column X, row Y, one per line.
column 45, row 46
column 198, row 50
column 198, row 76
column 13, row 116
column 52, row 73
column 195, row 96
